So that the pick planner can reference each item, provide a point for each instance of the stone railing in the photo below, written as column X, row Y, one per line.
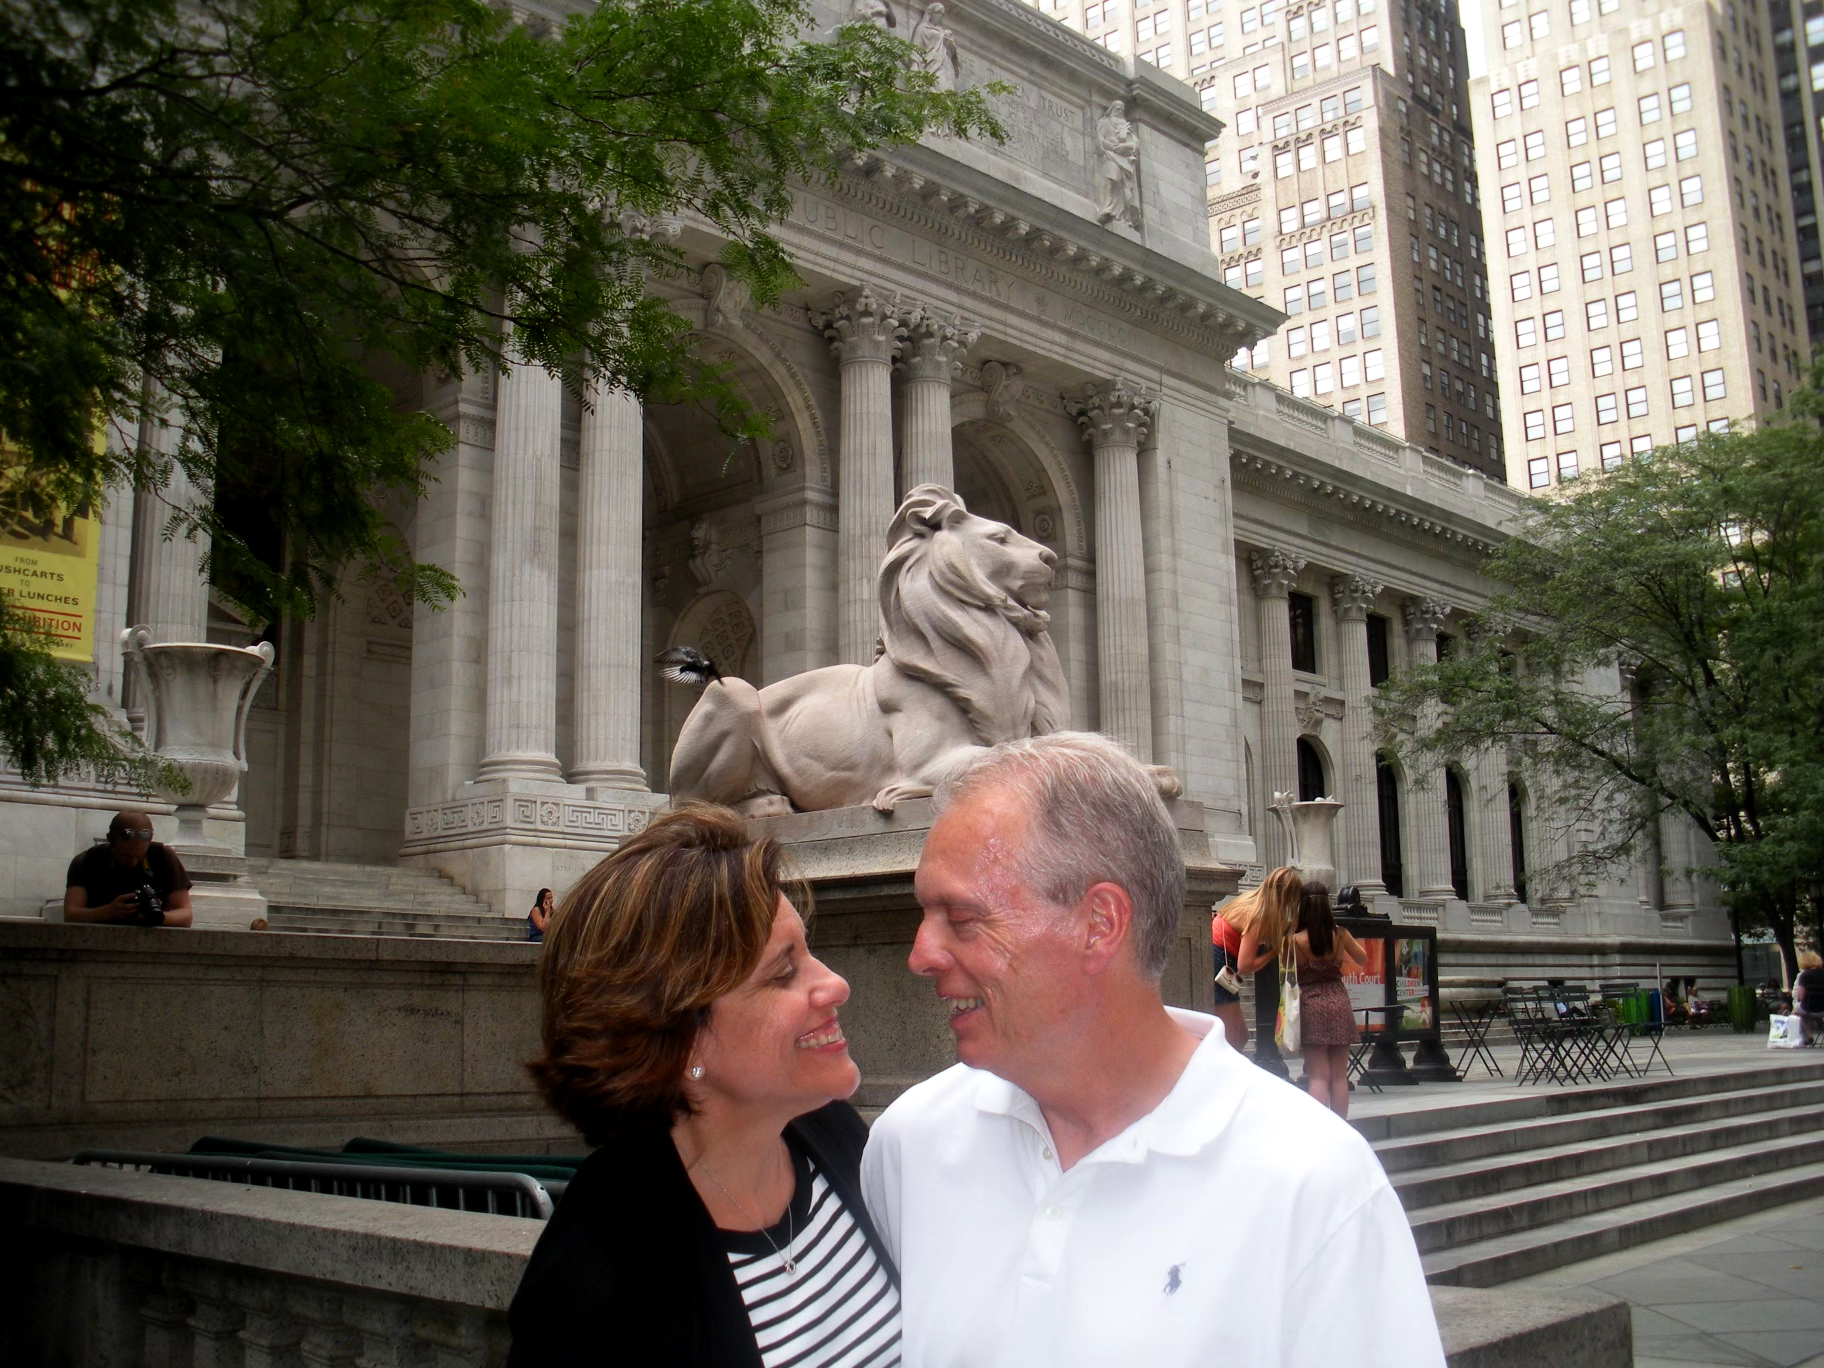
column 138, row 1271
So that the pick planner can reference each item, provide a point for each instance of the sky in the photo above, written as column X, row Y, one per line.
column 1472, row 29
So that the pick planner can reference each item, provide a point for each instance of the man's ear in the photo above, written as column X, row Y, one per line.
column 1108, row 925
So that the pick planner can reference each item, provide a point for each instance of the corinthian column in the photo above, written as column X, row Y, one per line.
column 607, row 724
column 930, row 357
column 167, row 589
column 1275, row 572
column 1430, row 824
column 1354, row 595
column 864, row 332
column 1115, row 418
column 521, row 735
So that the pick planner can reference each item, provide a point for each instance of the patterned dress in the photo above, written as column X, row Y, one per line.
column 1325, row 1017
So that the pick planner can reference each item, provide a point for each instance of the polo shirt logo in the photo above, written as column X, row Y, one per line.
column 1172, row 1281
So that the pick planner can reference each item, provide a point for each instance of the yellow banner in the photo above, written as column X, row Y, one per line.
column 49, row 570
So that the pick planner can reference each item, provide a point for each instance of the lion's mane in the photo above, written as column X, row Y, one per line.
column 943, row 623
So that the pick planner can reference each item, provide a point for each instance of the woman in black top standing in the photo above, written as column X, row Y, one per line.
column 689, row 1032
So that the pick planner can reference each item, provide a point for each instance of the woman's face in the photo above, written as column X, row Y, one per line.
column 546, row 900
column 775, row 1043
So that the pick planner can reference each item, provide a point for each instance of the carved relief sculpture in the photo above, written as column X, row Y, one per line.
column 873, row 12
column 1117, row 168
column 936, row 45
column 967, row 662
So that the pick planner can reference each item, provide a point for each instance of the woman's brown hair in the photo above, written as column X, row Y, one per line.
column 637, row 951
column 1317, row 920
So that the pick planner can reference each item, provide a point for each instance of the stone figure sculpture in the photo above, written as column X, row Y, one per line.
column 967, row 662
column 936, row 45
column 877, row 12
column 1118, row 168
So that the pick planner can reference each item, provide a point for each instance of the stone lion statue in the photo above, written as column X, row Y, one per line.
column 967, row 662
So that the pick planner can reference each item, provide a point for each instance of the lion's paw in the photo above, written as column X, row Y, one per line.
column 893, row 795
column 1166, row 780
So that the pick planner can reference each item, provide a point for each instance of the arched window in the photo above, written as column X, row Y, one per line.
column 1311, row 783
column 1387, row 790
column 1516, row 836
column 1459, row 839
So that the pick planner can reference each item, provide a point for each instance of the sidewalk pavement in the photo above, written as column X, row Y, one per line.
column 1745, row 1294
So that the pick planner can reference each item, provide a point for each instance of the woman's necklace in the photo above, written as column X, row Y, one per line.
column 785, row 1256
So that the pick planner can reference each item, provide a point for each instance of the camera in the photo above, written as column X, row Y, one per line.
column 151, row 910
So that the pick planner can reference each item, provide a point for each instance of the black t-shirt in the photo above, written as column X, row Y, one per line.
column 102, row 880
column 1809, row 988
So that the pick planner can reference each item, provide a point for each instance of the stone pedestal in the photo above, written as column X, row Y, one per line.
column 859, row 864
column 504, row 839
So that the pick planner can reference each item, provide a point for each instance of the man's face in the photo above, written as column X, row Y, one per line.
column 130, row 842
column 1004, row 961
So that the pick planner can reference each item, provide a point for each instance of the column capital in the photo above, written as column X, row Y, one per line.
column 1424, row 615
column 1354, row 595
column 863, row 324
column 1117, row 412
column 1275, row 571
column 934, row 344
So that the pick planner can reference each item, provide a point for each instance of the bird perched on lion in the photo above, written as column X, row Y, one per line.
column 966, row 662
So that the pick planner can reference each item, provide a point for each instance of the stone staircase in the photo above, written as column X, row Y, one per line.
column 325, row 898
column 1503, row 1188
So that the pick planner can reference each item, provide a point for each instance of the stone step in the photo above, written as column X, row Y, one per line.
column 1503, row 1258
column 1651, row 1140
column 360, row 922
column 1547, row 1101
column 1465, row 1145
column 338, row 898
column 1454, row 1224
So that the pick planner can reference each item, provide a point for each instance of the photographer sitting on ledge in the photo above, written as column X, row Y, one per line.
column 133, row 879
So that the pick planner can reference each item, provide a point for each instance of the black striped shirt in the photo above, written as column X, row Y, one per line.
column 839, row 1310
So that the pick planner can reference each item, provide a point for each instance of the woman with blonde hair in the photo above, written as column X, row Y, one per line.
column 691, row 1034
column 1247, row 933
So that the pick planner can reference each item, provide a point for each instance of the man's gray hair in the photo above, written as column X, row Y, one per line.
column 1095, row 817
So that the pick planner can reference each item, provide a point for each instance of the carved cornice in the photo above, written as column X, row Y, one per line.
column 1288, row 483
column 1354, row 595
column 1275, row 571
column 1116, row 413
column 1088, row 261
column 862, row 325
column 935, row 344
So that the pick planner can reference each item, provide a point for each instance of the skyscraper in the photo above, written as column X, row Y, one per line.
column 1798, row 58
column 1645, row 267
column 1343, row 191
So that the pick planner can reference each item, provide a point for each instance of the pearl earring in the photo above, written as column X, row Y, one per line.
column 696, row 1071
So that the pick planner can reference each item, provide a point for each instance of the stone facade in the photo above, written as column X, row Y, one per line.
column 1229, row 554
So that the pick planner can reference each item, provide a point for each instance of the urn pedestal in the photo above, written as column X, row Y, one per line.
column 196, row 697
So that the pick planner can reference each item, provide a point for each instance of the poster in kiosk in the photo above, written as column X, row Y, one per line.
column 1396, row 1002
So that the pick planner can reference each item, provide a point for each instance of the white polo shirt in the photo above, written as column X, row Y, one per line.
column 1239, row 1223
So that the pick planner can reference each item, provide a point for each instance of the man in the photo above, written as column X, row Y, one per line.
column 1102, row 1179
column 105, row 882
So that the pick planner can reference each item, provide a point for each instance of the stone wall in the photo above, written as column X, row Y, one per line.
column 120, row 1037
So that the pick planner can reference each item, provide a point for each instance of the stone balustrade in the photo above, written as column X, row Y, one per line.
column 141, row 1271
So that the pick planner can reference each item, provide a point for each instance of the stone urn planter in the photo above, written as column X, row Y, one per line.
column 197, row 696
column 1310, row 832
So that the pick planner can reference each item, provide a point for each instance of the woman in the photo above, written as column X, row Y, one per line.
column 1324, row 952
column 539, row 918
column 690, row 1033
column 1808, row 994
column 1247, row 933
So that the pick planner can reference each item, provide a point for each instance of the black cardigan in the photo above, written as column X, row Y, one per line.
column 631, row 1270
